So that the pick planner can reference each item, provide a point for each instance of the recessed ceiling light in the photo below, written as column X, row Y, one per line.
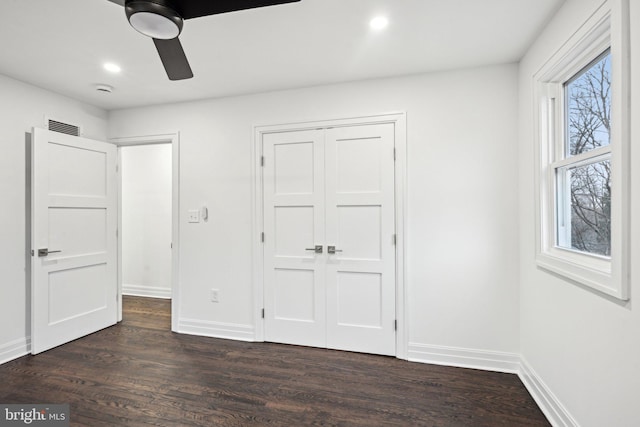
column 379, row 23
column 112, row 68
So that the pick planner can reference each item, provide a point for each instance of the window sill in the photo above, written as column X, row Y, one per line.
column 591, row 271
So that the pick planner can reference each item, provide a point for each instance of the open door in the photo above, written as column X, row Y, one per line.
column 73, row 247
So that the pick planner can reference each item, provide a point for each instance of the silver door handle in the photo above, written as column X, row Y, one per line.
column 333, row 250
column 317, row 249
column 45, row 252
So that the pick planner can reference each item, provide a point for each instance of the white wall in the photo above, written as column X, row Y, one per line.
column 22, row 107
column 467, row 246
column 583, row 346
column 462, row 197
column 146, row 220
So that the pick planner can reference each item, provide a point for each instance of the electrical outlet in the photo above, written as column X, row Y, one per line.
column 214, row 295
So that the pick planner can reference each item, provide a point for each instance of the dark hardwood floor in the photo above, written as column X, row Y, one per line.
column 138, row 373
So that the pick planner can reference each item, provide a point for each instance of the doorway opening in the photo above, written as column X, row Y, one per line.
column 148, row 218
column 145, row 233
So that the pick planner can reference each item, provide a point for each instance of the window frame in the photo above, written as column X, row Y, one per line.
column 607, row 28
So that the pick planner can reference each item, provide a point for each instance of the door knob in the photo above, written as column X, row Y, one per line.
column 333, row 250
column 45, row 252
column 317, row 249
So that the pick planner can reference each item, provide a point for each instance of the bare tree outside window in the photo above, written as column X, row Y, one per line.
column 588, row 116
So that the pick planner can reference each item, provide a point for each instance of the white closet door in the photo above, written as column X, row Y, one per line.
column 360, row 224
column 294, row 274
column 330, row 188
column 74, row 219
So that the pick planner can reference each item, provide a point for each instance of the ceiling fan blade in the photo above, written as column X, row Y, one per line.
column 173, row 58
column 120, row 2
column 189, row 9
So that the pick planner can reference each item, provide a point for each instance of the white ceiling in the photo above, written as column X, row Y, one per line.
column 61, row 45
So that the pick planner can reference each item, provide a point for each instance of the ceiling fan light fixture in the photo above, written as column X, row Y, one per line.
column 153, row 19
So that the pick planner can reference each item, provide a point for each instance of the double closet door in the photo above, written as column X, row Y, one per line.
column 329, row 249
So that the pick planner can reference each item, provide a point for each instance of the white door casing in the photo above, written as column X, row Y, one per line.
column 332, row 187
column 74, row 211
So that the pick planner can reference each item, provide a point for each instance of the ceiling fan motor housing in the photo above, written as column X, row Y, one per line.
column 154, row 18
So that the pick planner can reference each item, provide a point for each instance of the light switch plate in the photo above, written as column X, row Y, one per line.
column 193, row 215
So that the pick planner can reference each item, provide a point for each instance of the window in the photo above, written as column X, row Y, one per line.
column 582, row 173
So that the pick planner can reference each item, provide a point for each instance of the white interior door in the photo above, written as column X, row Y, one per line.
column 360, row 225
column 74, row 220
column 294, row 225
column 332, row 188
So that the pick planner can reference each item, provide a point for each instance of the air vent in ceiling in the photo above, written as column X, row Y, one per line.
column 61, row 127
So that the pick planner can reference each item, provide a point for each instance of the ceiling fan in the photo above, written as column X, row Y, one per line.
column 162, row 21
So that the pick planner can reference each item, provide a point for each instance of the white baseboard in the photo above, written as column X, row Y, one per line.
column 230, row 331
column 464, row 358
column 512, row 363
column 549, row 404
column 14, row 349
column 146, row 291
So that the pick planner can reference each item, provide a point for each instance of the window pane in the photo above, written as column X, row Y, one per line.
column 584, row 208
column 588, row 96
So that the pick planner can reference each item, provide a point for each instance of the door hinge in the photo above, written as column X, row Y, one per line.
column 32, row 252
column 262, row 161
column 395, row 325
column 394, row 154
column 263, row 313
column 262, row 237
column 395, row 239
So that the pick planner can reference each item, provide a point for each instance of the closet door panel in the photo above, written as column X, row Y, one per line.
column 360, row 224
column 294, row 274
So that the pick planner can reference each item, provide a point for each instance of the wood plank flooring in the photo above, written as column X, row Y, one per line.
column 139, row 373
